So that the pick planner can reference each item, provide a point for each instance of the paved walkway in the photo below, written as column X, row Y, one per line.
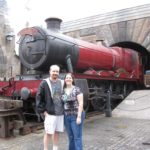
column 100, row 133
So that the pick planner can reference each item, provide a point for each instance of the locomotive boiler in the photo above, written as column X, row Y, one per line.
column 40, row 48
column 98, row 70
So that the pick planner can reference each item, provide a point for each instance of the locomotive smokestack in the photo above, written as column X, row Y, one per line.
column 53, row 23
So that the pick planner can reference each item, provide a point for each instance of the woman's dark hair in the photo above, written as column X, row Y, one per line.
column 73, row 82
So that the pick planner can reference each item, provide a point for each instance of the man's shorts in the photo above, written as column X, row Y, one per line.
column 54, row 123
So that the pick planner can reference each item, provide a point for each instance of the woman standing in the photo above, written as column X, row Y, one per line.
column 73, row 112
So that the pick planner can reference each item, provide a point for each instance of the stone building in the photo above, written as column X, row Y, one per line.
column 9, row 63
column 127, row 28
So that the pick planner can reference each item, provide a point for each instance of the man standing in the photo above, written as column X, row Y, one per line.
column 49, row 103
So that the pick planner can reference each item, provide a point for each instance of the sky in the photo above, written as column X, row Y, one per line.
column 36, row 11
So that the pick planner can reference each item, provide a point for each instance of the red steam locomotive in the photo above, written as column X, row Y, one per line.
column 97, row 69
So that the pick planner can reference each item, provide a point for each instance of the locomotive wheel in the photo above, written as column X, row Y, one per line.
column 86, row 105
column 130, row 89
column 99, row 104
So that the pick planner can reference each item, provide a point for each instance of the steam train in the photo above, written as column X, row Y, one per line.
column 97, row 69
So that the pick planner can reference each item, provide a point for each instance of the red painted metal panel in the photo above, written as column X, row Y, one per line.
column 93, row 56
column 7, row 89
column 123, row 61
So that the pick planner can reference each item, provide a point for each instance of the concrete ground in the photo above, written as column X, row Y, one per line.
column 100, row 133
column 136, row 105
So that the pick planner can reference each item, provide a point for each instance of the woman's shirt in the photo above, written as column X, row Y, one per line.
column 70, row 101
